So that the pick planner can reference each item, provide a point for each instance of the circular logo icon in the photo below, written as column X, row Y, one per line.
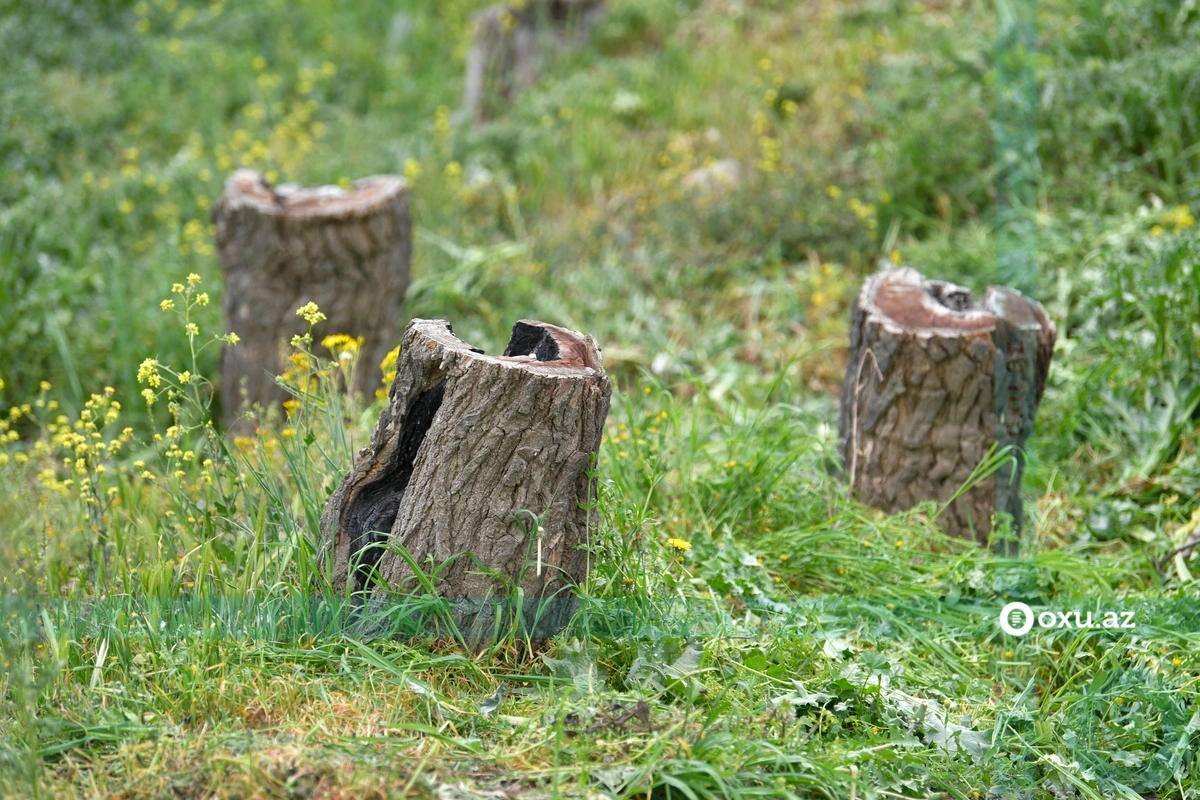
column 1026, row 623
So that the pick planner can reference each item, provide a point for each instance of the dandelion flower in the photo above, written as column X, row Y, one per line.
column 679, row 544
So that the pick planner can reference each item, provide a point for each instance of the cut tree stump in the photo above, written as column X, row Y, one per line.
column 480, row 468
column 510, row 44
column 934, row 379
column 283, row 247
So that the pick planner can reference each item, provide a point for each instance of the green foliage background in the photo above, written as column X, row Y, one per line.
column 785, row 640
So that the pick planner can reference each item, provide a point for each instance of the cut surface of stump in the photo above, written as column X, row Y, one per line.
column 480, row 468
column 934, row 379
column 510, row 44
column 283, row 247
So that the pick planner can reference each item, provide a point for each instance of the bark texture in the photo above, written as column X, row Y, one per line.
column 469, row 449
column 280, row 248
column 934, row 379
column 510, row 44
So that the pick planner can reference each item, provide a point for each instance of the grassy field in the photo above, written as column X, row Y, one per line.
column 748, row 630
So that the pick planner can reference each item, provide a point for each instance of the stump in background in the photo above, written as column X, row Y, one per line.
column 469, row 448
column 347, row 251
column 934, row 379
column 510, row 43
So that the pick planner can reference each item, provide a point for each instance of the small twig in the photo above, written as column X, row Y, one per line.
column 854, row 410
column 1186, row 548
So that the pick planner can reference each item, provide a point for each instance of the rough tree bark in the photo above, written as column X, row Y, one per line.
column 510, row 43
column 470, row 449
column 282, row 247
column 934, row 379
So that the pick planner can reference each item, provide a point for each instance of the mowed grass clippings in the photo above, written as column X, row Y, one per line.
column 747, row 629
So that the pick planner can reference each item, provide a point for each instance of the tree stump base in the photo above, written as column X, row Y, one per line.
column 934, row 380
column 480, row 470
column 510, row 43
column 281, row 248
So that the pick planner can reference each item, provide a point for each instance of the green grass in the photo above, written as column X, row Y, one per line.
column 165, row 632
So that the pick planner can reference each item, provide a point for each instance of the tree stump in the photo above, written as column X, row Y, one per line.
column 280, row 248
column 510, row 43
column 480, row 468
column 934, row 379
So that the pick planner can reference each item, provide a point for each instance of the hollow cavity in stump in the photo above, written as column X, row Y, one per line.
column 283, row 247
column 934, row 379
column 480, row 469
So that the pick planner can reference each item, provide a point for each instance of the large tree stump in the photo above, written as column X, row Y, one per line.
column 934, row 379
column 480, row 468
column 510, row 43
column 347, row 251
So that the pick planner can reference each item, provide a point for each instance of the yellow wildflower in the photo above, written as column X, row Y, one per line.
column 1179, row 217
column 340, row 343
column 679, row 544
column 148, row 373
column 312, row 315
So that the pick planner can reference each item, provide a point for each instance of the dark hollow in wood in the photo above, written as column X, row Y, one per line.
column 374, row 507
column 510, row 44
column 283, row 247
column 934, row 379
column 470, row 449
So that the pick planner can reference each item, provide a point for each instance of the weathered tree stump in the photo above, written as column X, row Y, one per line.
column 280, row 248
column 480, row 469
column 510, row 43
column 934, row 379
